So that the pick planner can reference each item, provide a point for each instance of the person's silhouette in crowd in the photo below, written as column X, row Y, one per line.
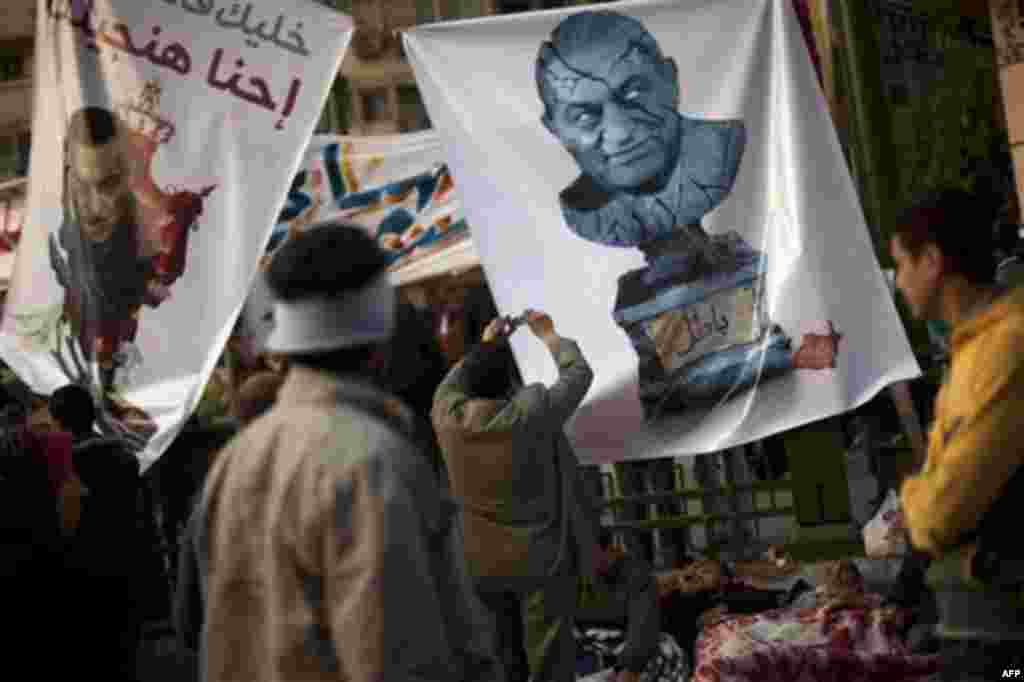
column 106, row 553
column 623, row 597
column 321, row 547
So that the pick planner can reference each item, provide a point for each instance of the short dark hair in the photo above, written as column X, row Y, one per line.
column 493, row 372
column 92, row 126
column 330, row 259
column 73, row 408
column 605, row 537
column 327, row 261
column 959, row 224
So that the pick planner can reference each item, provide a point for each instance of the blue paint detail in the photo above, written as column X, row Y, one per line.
column 332, row 163
column 685, row 295
column 297, row 200
column 397, row 222
column 718, row 374
column 398, row 217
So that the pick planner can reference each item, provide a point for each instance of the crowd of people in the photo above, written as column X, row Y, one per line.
column 373, row 514
column 77, row 543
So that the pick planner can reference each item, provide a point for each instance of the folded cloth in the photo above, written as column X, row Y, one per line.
column 854, row 645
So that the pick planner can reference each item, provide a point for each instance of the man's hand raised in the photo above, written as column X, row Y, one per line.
column 498, row 328
column 541, row 326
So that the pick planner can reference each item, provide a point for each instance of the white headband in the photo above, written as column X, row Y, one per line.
column 322, row 324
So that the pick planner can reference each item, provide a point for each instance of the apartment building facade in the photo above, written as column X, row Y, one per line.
column 17, row 25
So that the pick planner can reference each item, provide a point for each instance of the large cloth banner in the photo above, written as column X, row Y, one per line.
column 397, row 187
column 166, row 136
column 664, row 179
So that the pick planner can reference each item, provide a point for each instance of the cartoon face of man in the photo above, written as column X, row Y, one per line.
column 98, row 178
column 611, row 99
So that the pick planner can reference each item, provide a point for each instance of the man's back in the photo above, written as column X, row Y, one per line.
column 306, row 515
column 29, row 535
column 107, row 542
column 512, row 467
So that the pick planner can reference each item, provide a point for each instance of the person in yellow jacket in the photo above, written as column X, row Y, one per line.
column 963, row 506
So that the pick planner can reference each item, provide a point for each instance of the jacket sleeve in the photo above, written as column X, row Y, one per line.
column 574, row 379
column 643, row 627
column 188, row 603
column 964, row 476
column 385, row 612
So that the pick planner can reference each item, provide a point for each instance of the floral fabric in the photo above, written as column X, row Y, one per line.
column 806, row 645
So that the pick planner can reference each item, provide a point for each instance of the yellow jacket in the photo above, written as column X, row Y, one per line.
column 977, row 440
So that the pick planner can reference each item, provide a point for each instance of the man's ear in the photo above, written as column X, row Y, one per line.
column 932, row 259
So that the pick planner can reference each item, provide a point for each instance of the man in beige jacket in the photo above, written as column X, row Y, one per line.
column 323, row 548
column 529, row 524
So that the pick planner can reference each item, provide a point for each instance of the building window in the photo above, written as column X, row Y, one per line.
column 513, row 6
column 462, row 9
column 14, row 153
column 375, row 105
column 412, row 115
column 426, row 12
column 335, row 115
column 341, row 92
column 12, row 67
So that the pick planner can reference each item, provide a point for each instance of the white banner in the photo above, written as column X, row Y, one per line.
column 663, row 178
column 166, row 134
column 12, row 217
column 397, row 187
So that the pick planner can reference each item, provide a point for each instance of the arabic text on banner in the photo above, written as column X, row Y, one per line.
column 172, row 133
column 397, row 187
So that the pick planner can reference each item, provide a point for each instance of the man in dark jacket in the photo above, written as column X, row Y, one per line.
column 623, row 595
column 30, row 546
column 529, row 523
column 106, row 553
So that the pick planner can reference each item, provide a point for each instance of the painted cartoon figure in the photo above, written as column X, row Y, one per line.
column 648, row 177
column 649, row 174
column 119, row 248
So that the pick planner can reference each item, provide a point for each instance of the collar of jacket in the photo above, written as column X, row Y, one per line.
column 307, row 386
column 1003, row 303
